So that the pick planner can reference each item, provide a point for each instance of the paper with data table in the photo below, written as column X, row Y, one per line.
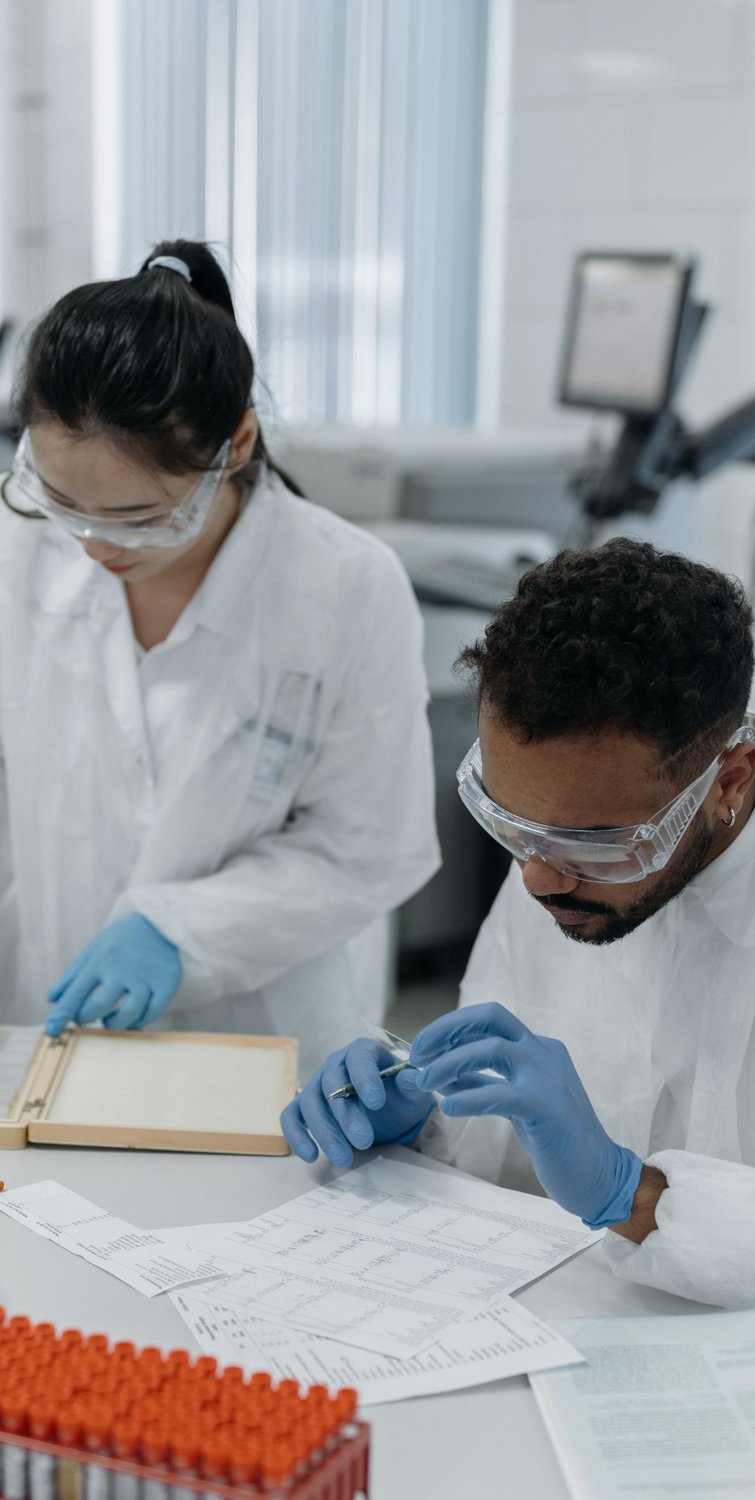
column 508, row 1340
column 144, row 1259
column 390, row 1256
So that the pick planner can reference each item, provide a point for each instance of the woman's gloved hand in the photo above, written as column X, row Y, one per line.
column 540, row 1092
column 127, row 976
column 393, row 1109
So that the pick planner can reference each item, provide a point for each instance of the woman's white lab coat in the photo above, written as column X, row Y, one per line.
column 259, row 786
column 661, row 1028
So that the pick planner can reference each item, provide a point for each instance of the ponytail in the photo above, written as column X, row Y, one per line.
column 155, row 361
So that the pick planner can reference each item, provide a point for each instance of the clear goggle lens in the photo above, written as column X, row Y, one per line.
column 172, row 527
column 612, row 856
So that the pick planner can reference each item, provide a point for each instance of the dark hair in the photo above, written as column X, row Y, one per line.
column 624, row 637
column 157, row 363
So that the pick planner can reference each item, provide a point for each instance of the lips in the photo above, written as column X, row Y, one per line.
column 568, row 918
column 118, row 568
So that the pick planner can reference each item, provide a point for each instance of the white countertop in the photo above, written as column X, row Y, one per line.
column 488, row 1441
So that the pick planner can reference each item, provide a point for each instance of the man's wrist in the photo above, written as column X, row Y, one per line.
column 642, row 1220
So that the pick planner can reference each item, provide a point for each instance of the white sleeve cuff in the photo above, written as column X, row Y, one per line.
column 704, row 1246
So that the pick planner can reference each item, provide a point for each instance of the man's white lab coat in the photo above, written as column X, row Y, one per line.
column 661, row 1028
column 259, row 786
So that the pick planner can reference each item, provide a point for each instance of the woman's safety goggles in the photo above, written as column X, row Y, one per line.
column 610, row 855
column 171, row 527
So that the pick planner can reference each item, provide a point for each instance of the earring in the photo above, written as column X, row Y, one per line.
column 731, row 820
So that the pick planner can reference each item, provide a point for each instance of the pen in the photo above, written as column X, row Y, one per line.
column 348, row 1091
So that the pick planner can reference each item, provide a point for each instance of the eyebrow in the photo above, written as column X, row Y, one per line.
column 585, row 828
column 115, row 510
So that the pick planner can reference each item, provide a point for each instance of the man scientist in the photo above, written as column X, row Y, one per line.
column 605, row 1047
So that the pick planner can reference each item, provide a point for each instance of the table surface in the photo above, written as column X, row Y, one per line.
column 491, row 1436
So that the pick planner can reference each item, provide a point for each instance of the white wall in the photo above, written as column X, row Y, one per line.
column 633, row 126
column 45, row 153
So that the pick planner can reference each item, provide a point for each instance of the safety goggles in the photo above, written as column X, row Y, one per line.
column 606, row 855
column 172, row 527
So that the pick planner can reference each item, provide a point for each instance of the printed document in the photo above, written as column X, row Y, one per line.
column 389, row 1257
column 507, row 1340
column 662, row 1406
column 142, row 1258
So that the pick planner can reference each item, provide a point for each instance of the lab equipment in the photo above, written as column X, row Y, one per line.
column 151, row 1090
column 211, row 787
column 397, row 1044
column 349, row 1091
column 395, row 1113
column 631, row 329
column 175, row 526
column 539, row 1090
column 624, row 326
column 612, row 855
column 105, row 1415
column 126, row 977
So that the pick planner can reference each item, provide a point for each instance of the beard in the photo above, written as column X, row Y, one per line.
column 691, row 858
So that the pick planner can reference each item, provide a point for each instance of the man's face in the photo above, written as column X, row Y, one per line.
column 597, row 780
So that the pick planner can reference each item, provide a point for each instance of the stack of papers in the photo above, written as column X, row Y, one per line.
column 664, row 1406
column 393, row 1278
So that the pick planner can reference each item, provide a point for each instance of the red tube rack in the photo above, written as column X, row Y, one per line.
column 177, row 1426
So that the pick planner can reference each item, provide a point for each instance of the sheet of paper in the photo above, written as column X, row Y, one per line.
column 315, row 1300
column 142, row 1258
column 663, row 1406
column 509, row 1340
column 438, row 1236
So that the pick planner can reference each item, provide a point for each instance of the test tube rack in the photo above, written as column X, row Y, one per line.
column 81, row 1419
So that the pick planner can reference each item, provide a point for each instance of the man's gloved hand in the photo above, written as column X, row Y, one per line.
column 127, row 976
column 393, row 1109
column 540, row 1092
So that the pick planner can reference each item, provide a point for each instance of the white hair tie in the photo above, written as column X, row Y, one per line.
column 171, row 263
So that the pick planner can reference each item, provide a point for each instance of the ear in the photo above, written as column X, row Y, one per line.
column 735, row 780
column 243, row 441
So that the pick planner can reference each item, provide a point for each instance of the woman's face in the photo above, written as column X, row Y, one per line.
column 94, row 477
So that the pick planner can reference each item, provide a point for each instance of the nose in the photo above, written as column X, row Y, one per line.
column 543, row 880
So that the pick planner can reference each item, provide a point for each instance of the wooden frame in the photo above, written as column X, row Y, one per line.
column 57, row 1060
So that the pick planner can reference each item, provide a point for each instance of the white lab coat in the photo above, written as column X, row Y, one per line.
column 259, row 786
column 660, row 1026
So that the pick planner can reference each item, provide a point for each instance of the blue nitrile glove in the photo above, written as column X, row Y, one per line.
column 540, row 1092
column 384, row 1110
column 127, row 976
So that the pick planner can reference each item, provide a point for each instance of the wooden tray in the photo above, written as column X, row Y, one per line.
column 155, row 1091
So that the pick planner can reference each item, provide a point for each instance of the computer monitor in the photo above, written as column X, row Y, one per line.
column 624, row 323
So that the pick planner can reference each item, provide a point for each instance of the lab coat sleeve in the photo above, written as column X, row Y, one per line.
column 704, row 1246
column 361, row 837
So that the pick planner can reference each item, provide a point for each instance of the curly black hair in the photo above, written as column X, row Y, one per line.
column 623, row 637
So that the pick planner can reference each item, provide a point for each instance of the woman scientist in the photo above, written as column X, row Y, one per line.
column 216, row 770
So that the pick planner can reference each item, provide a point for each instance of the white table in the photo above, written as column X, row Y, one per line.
column 489, row 1441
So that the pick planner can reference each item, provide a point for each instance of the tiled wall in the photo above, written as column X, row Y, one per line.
column 633, row 126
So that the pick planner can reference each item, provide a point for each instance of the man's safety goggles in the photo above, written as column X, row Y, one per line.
column 610, row 855
column 172, row 527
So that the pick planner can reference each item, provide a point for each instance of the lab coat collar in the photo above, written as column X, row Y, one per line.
column 229, row 581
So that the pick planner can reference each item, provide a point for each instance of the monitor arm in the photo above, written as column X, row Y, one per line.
column 651, row 451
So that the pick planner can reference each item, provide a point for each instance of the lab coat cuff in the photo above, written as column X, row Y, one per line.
column 702, row 1248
